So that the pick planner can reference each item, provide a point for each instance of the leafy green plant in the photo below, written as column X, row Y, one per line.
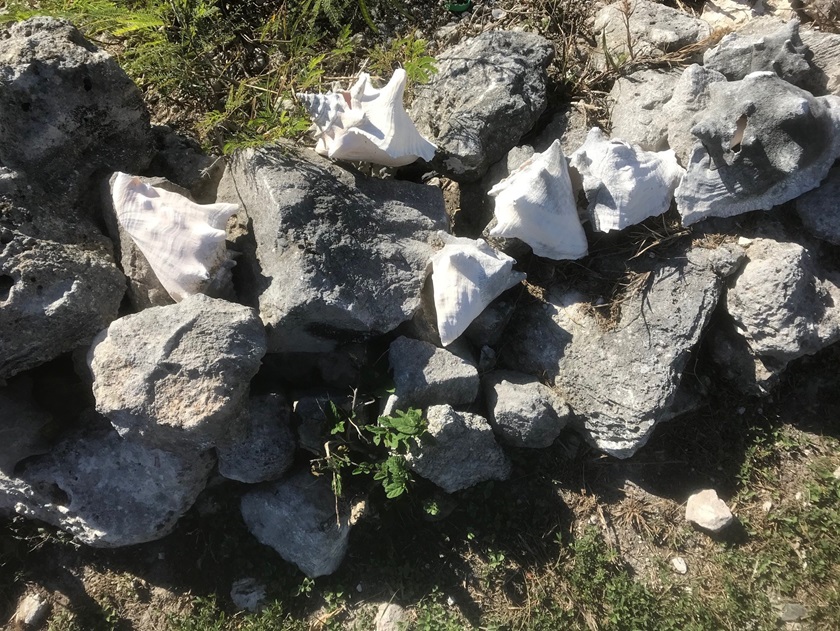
column 406, row 52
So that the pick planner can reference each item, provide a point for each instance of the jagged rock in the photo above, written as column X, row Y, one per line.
column 70, row 112
column 425, row 375
column 819, row 209
column 337, row 256
column 730, row 13
column 461, row 453
column 783, row 304
column 636, row 112
column 625, row 380
column 58, row 283
column 21, row 424
column 248, row 594
column 652, row 29
column 569, row 125
column 297, row 517
column 763, row 142
column 177, row 375
column 708, row 511
column 315, row 416
column 780, row 51
column 522, row 411
column 31, row 611
column 825, row 48
column 265, row 449
column 107, row 492
column 737, row 364
column 488, row 92
column 689, row 97
column 180, row 160
column 489, row 327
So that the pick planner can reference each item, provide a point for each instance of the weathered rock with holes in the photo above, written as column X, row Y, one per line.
column 336, row 256
column 523, row 411
column 425, row 375
column 819, row 209
column 177, row 376
column 623, row 381
column 636, row 112
column 461, row 453
column 106, row 491
column 70, row 112
column 302, row 520
column 488, row 92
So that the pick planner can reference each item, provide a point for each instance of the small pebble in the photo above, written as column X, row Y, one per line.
column 31, row 611
column 767, row 506
column 679, row 565
column 498, row 14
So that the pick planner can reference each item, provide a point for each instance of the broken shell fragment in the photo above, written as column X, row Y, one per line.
column 366, row 124
column 183, row 242
column 623, row 183
column 536, row 204
column 467, row 275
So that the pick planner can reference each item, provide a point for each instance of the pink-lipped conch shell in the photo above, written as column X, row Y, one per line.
column 367, row 125
column 467, row 275
column 536, row 204
column 183, row 242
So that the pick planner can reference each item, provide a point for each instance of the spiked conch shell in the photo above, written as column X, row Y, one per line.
column 366, row 124
column 536, row 204
column 624, row 184
column 467, row 275
column 183, row 242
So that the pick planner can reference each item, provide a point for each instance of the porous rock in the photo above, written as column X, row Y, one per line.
column 425, row 375
column 264, row 448
column 708, row 511
column 177, row 375
column 763, row 142
column 59, row 285
column 106, row 491
column 70, row 112
column 523, row 411
column 461, row 453
column 297, row 517
column 819, row 209
column 636, row 112
column 621, row 382
column 488, row 92
column 336, row 256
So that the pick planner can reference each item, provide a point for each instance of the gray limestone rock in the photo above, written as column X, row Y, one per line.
column 763, row 142
column 488, row 92
column 825, row 48
column 652, row 29
column 819, row 209
column 623, row 380
column 459, row 452
column 522, row 411
column 569, row 126
column 297, row 517
column 178, row 375
column 708, row 511
column 780, row 51
column 636, row 112
column 59, row 285
column 180, row 160
column 336, row 256
column 106, row 491
column 265, row 449
column 69, row 112
column 425, row 375
column 738, row 365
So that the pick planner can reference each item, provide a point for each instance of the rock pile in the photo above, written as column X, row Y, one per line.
column 333, row 276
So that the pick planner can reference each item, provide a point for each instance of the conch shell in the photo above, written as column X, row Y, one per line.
column 366, row 124
column 467, row 275
column 183, row 242
column 536, row 204
column 624, row 184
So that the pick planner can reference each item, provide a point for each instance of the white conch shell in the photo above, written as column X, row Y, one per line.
column 183, row 242
column 366, row 124
column 467, row 275
column 624, row 184
column 536, row 204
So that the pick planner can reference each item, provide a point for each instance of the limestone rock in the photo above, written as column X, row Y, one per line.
column 297, row 517
column 70, row 112
column 461, row 453
column 31, row 611
column 488, row 92
column 177, row 375
column 265, row 449
column 825, row 48
column 819, row 209
column 730, row 13
column 569, row 125
column 179, row 159
column 390, row 617
column 636, row 112
column 625, row 380
column 522, row 411
column 336, row 256
column 248, row 594
column 425, row 375
column 708, row 511
column 107, row 492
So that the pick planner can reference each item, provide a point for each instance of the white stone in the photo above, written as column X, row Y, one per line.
column 708, row 511
column 679, row 565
